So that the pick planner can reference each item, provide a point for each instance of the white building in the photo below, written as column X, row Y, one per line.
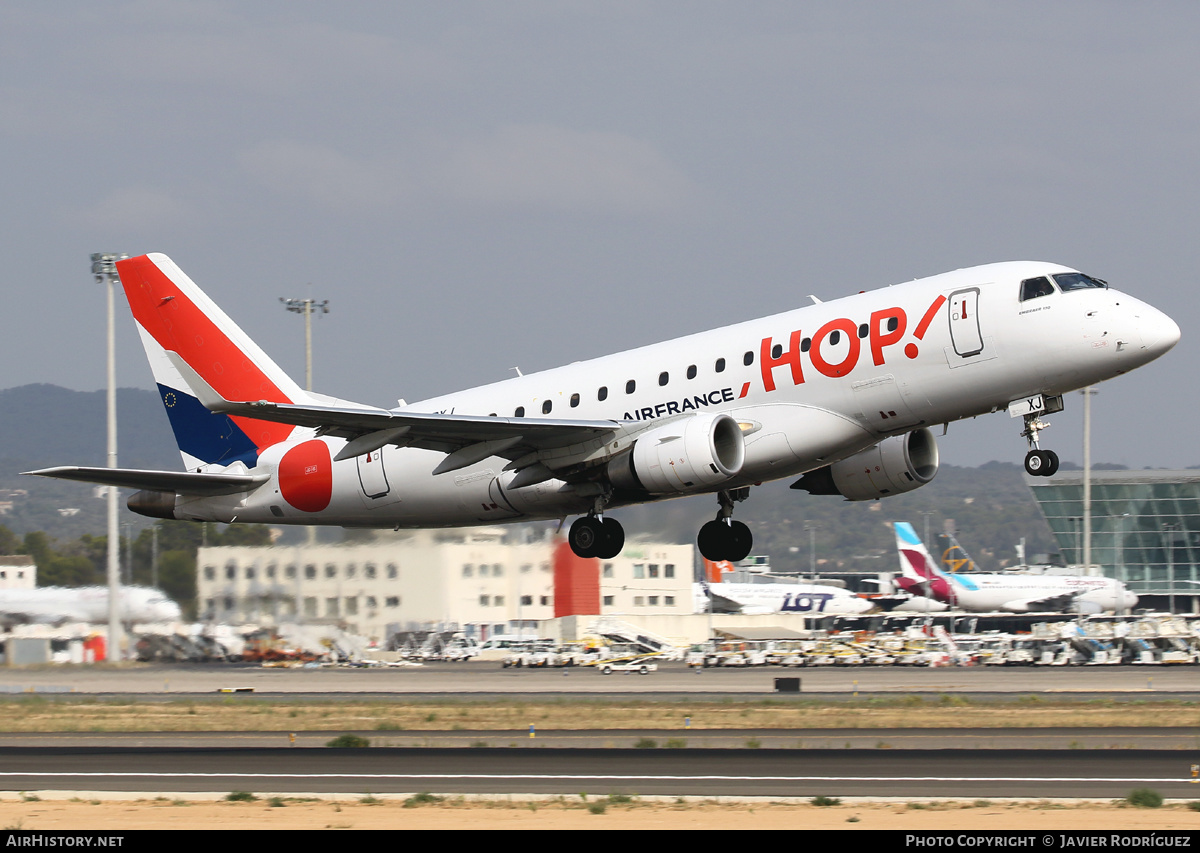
column 17, row 571
column 482, row 581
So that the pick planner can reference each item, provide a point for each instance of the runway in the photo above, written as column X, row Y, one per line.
column 905, row 763
column 488, row 679
column 915, row 774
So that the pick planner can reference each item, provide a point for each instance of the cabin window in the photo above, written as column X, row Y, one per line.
column 691, row 371
column 834, row 337
column 806, row 345
column 777, row 351
column 863, row 330
column 629, row 386
column 519, row 412
column 1032, row 288
column 893, row 323
column 663, row 378
column 602, row 394
column 748, row 358
column 574, row 400
column 720, row 365
column 547, row 405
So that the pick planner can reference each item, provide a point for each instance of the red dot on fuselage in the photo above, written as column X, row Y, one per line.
column 306, row 476
column 910, row 350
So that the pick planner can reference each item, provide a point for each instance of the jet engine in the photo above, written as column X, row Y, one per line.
column 685, row 454
column 895, row 465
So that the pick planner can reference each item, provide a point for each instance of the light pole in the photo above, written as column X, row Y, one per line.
column 104, row 268
column 307, row 307
column 812, row 550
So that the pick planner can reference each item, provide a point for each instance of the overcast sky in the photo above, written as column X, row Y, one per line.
column 475, row 186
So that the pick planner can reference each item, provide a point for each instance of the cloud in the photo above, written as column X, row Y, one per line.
column 322, row 175
column 556, row 168
column 131, row 209
column 532, row 167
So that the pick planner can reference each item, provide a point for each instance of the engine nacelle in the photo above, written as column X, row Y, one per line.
column 682, row 456
column 153, row 504
column 895, row 465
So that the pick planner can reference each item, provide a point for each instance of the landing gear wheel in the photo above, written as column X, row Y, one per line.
column 591, row 537
column 1041, row 463
column 741, row 540
column 586, row 536
column 614, row 539
column 720, row 541
column 711, row 541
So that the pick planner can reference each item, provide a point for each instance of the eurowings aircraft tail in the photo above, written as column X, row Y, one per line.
column 919, row 572
column 174, row 316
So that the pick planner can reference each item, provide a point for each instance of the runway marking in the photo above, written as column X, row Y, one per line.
column 591, row 777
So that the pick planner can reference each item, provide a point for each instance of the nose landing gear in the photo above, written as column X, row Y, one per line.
column 1038, row 462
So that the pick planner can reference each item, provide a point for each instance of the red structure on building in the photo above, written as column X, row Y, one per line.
column 576, row 583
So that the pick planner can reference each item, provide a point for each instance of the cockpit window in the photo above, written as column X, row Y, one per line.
column 1032, row 288
column 1078, row 281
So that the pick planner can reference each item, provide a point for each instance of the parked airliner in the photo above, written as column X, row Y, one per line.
column 1014, row 592
column 57, row 604
column 840, row 394
column 805, row 599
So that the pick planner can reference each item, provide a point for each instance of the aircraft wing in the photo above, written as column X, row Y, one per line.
column 183, row 482
column 476, row 436
column 1036, row 605
column 722, row 604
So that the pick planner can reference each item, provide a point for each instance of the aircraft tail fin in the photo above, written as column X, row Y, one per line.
column 916, row 563
column 920, row 574
column 954, row 557
column 173, row 315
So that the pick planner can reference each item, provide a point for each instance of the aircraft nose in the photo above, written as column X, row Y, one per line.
column 1159, row 332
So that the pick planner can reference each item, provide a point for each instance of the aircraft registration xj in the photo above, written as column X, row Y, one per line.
column 839, row 394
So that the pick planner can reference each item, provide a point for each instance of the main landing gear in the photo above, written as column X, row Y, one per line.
column 1038, row 462
column 595, row 536
column 723, row 538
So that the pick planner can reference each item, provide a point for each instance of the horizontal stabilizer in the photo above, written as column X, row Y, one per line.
column 181, row 482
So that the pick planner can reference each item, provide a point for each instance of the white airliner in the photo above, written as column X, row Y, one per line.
column 56, row 604
column 1013, row 593
column 840, row 392
column 805, row 599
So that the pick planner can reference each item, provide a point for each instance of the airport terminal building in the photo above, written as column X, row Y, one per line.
column 1145, row 529
column 482, row 581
